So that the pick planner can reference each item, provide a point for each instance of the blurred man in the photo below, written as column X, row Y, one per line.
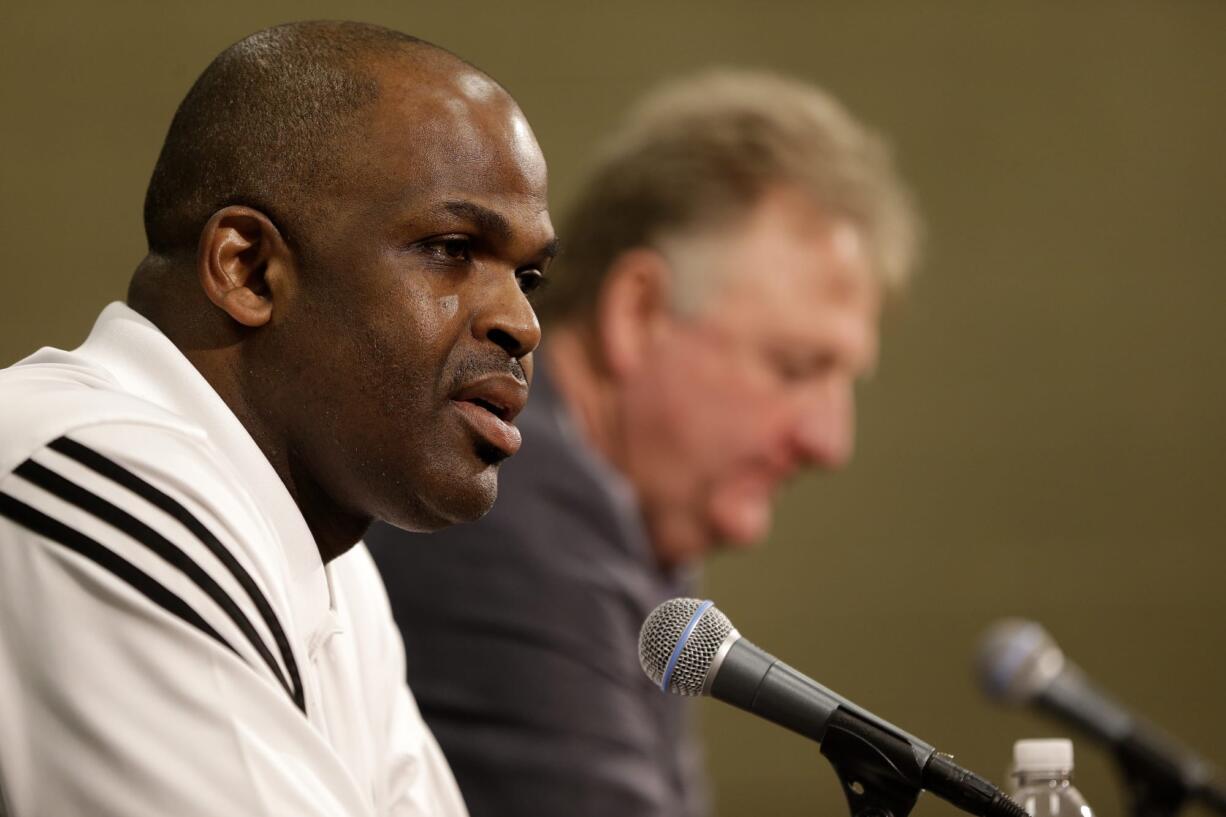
column 330, row 326
column 719, row 299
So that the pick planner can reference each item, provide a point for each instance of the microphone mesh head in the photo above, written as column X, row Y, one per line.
column 1017, row 660
column 665, row 626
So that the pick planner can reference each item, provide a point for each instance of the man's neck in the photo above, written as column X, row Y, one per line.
column 334, row 529
column 216, row 356
column 585, row 390
column 592, row 399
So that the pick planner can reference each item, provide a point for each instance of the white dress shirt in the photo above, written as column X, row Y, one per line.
column 171, row 642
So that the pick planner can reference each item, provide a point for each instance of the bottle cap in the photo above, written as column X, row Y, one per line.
column 1043, row 755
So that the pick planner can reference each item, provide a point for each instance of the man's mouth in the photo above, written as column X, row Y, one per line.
column 489, row 406
column 495, row 409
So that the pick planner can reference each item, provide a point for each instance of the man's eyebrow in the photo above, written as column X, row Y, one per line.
column 489, row 221
column 550, row 250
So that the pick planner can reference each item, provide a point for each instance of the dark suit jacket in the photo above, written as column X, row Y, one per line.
column 522, row 637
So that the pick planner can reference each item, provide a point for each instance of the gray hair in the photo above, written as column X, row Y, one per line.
column 700, row 152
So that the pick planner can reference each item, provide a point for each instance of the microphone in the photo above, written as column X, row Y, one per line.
column 1019, row 663
column 688, row 647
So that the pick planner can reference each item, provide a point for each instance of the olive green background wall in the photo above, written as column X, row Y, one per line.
column 1044, row 437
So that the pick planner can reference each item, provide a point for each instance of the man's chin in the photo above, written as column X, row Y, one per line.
column 742, row 524
column 465, row 500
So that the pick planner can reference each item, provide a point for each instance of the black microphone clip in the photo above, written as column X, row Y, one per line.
column 879, row 772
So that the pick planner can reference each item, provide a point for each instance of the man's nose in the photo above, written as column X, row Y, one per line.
column 825, row 430
column 507, row 318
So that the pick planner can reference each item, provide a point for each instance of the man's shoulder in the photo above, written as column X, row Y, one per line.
column 71, row 434
column 67, row 426
column 104, row 490
column 54, row 393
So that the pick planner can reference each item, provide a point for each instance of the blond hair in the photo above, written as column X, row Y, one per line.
column 700, row 152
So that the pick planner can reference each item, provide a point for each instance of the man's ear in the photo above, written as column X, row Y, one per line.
column 633, row 308
column 240, row 261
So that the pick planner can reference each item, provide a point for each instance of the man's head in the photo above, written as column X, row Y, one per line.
column 725, row 266
column 343, row 226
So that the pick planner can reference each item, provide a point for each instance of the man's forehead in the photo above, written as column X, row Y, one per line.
column 435, row 73
column 796, row 276
column 461, row 114
column 442, row 135
column 785, row 252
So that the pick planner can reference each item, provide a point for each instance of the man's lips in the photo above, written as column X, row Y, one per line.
column 490, row 405
column 501, row 395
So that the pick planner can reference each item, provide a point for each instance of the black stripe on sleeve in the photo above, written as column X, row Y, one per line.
column 121, row 520
column 117, row 473
column 43, row 525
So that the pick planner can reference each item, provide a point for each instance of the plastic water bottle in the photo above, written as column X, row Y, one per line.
column 1043, row 777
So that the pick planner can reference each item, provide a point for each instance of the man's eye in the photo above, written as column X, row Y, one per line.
column 451, row 249
column 791, row 369
column 530, row 280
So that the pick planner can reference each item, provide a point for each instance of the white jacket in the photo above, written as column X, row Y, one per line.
column 171, row 644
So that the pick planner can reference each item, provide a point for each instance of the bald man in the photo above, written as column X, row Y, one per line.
column 331, row 326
